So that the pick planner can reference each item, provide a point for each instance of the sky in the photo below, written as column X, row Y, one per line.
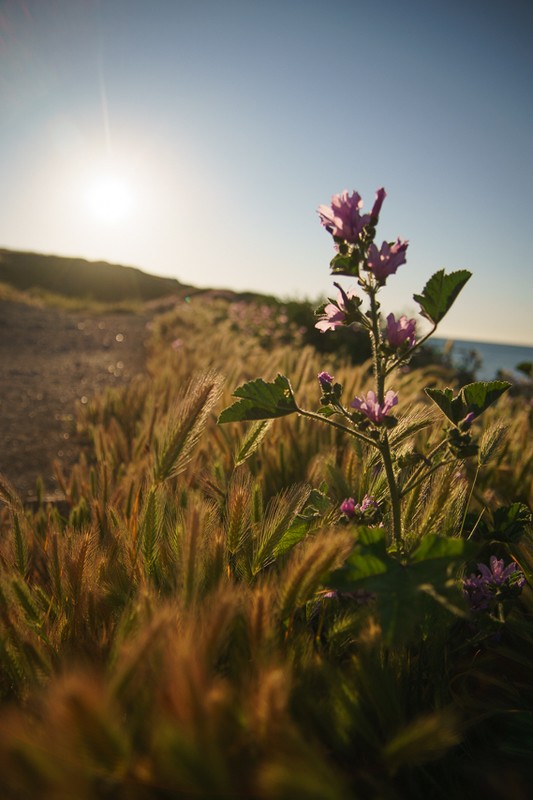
column 196, row 139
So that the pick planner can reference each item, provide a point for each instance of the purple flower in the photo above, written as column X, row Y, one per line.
column 343, row 219
column 386, row 261
column 334, row 314
column 325, row 380
column 498, row 574
column 370, row 407
column 400, row 331
column 348, row 507
column 367, row 502
column 481, row 590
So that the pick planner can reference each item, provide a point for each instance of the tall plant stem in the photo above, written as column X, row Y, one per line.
column 395, row 499
column 384, row 445
column 375, row 336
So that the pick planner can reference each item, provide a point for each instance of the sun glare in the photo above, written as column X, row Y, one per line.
column 109, row 198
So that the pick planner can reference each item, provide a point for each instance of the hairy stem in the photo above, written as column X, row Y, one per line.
column 395, row 496
column 350, row 431
column 375, row 337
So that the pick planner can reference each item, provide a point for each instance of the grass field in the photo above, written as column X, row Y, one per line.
column 186, row 624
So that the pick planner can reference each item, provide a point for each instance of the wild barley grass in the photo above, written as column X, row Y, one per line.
column 171, row 630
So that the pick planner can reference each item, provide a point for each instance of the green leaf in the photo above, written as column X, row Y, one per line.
column 401, row 584
column 345, row 264
column 480, row 395
column 261, row 400
column 473, row 398
column 510, row 522
column 436, row 556
column 444, row 400
column 298, row 531
column 440, row 292
column 327, row 411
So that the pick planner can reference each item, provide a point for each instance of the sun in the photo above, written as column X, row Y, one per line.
column 109, row 198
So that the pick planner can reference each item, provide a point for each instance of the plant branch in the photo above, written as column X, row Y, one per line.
column 350, row 431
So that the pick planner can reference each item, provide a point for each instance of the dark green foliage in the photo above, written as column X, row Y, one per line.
column 400, row 584
column 440, row 293
column 472, row 399
column 261, row 400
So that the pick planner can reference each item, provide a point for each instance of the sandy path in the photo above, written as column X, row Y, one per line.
column 50, row 362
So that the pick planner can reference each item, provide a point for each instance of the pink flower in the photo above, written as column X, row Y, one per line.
column 400, row 331
column 366, row 503
column 334, row 314
column 343, row 219
column 370, row 407
column 348, row 507
column 386, row 261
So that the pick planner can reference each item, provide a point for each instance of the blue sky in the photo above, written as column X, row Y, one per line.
column 225, row 123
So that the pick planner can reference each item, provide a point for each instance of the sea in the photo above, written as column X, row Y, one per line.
column 492, row 356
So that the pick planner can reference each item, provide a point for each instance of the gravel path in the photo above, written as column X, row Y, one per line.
column 51, row 361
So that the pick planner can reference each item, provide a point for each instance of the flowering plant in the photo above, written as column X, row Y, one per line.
column 371, row 418
column 494, row 583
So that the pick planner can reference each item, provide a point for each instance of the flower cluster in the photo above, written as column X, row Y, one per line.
column 371, row 408
column 354, row 233
column 350, row 508
column 493, row 584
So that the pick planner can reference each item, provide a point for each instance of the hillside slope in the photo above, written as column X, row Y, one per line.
column 76, row 277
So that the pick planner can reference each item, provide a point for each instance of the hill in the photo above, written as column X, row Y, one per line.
column 76, row 277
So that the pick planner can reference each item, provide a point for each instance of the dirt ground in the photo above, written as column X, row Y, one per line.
column 52, row 362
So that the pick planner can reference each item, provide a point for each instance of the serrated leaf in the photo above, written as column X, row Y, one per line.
column 261, row 400
column 480, row 395
column 440, row 293
column 252, row 440
column 472, row 399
